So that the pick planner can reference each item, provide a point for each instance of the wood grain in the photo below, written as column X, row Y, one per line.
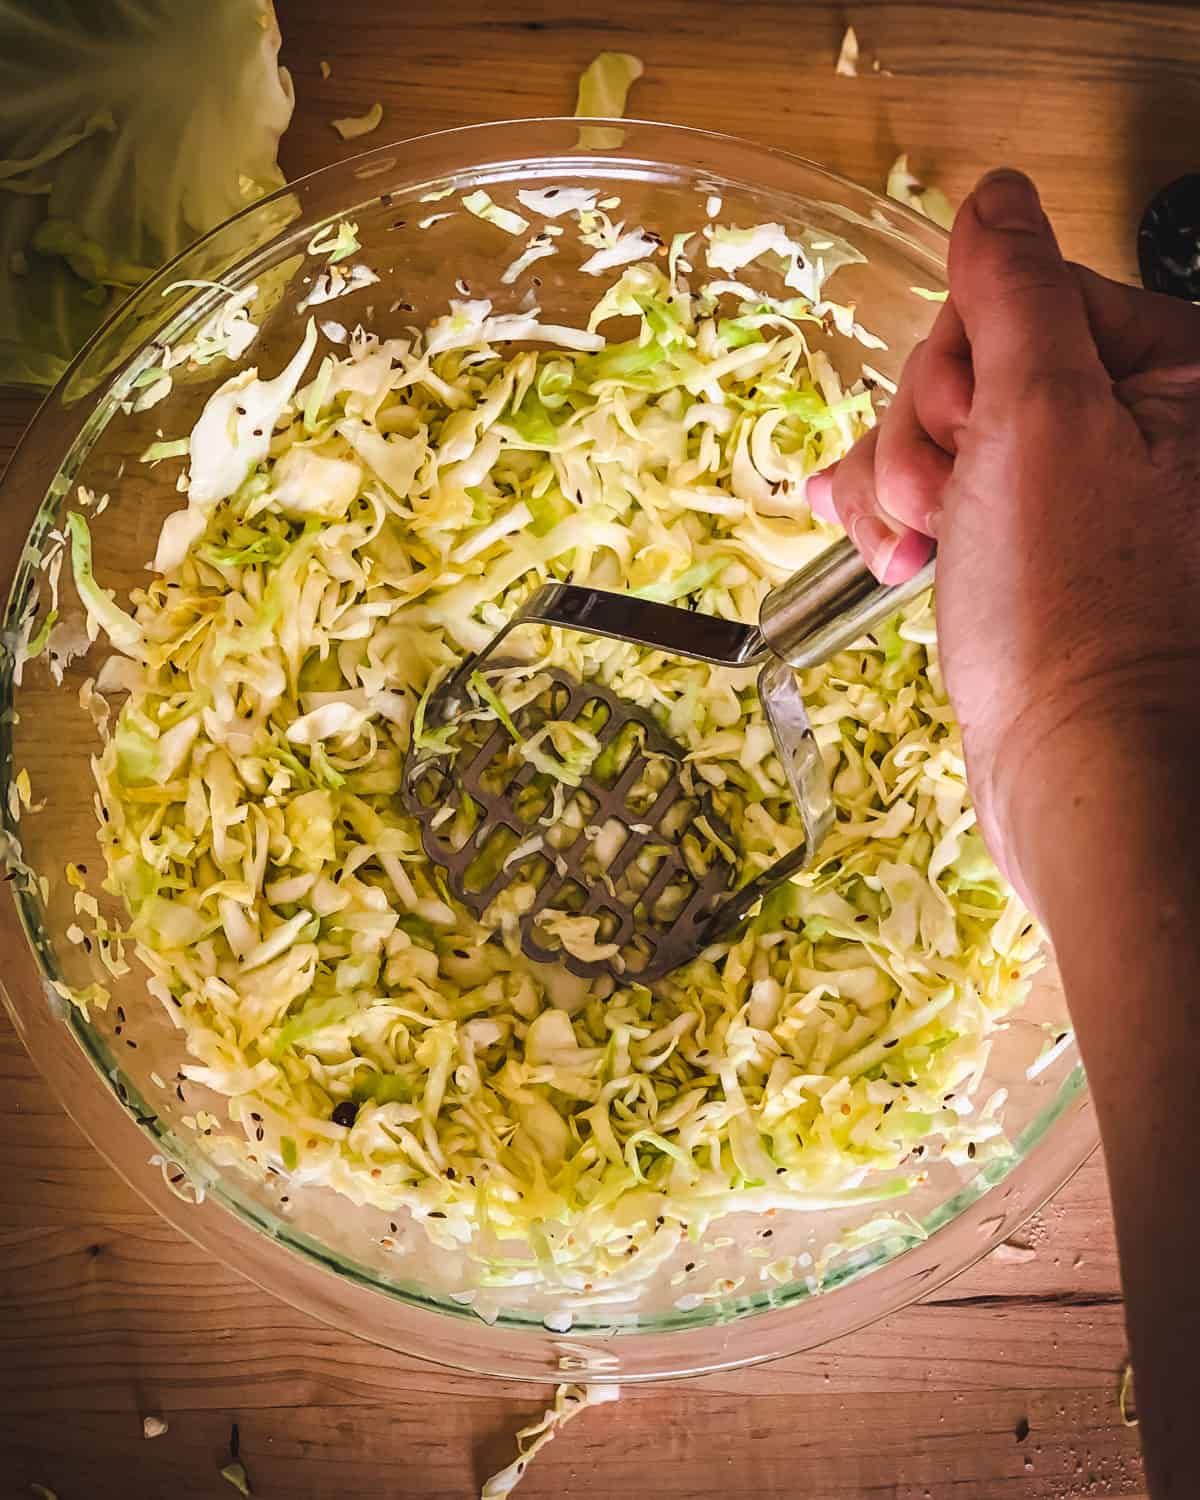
column 1101, row 102
column 106, row 1314
column 109, row 1316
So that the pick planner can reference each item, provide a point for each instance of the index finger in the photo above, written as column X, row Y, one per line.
column 944, row 382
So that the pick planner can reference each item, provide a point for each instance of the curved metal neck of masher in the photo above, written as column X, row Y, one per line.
column 829, row 604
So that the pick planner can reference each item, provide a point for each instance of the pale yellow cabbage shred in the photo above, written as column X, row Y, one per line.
column 603, row 90
column 569, row 1401
column 905, row 188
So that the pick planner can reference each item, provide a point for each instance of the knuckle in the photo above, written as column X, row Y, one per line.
column 1053, row 391
column 854, row 479
column 1019, row 270
column 942, row 394
column 908, row 485
column 1165, row 404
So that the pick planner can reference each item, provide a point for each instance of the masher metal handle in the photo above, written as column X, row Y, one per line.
column 825, row 607
column 830, row 603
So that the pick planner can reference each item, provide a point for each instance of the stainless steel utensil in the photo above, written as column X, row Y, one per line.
column 654, row 914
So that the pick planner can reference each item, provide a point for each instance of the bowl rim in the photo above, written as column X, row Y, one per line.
column 235, row 1233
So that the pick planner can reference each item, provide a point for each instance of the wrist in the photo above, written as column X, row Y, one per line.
column 1097, row 764
column 1104, row 826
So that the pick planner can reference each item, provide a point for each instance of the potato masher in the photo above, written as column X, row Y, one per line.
column 657, row 904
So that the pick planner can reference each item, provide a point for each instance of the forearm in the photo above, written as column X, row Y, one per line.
column 1111, row 852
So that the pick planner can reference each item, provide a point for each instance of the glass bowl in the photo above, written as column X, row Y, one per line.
column 115, row 1071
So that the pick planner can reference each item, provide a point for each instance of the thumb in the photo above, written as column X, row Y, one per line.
column 1021, row 307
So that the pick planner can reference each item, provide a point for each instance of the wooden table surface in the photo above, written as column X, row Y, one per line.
column 106, row 1314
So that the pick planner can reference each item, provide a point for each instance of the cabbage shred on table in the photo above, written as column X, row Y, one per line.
column 351, row 531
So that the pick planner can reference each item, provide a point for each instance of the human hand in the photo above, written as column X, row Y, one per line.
column 1047, row 433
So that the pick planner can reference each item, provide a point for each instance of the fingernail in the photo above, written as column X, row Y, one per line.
column 912, row 552
column 818, row 491
column 875, row 541
column 1005, row 199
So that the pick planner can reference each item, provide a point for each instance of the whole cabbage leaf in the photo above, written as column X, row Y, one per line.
column 127, row 129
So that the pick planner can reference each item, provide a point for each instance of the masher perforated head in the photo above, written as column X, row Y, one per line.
column 572, row 818
column 579, row 808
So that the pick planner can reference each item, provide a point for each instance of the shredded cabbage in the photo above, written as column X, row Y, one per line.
column 234, row 1473
column 603, row 89
column 930, row 201
column 350, row 127
column 1126, row 1400
column 569, row 1401
column 344, row 543
column 480, row 204
column 847, row 58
